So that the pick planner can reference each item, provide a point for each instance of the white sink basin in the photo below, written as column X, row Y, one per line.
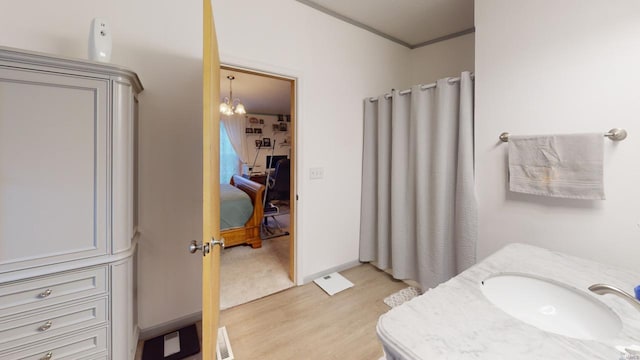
column 551, row 306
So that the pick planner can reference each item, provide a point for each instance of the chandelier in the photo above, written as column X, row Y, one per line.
column 229, row 105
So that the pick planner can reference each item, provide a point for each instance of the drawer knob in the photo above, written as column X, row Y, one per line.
column 48, row 356
column 45, row 293
column 46, row 326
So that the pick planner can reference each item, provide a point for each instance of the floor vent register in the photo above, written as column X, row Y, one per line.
column 223, row 348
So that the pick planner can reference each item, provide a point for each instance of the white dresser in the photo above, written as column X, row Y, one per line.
column 68, row 208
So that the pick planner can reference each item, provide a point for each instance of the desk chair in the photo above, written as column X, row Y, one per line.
column 277, row 197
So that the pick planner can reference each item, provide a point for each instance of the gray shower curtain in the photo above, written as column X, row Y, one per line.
column 418, row 210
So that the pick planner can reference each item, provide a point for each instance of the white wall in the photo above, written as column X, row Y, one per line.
column 337, row 65
column 559, row 67
column 443, row 59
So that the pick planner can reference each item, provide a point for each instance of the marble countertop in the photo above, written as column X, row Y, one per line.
column 456, row 321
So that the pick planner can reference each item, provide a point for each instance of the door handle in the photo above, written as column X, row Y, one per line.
column 194, row 246
column 217, row 242
column 205, row 248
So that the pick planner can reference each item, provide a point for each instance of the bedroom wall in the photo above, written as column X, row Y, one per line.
column 559, row 67
column 442, row 59
column 267, row 132
column 337, row 64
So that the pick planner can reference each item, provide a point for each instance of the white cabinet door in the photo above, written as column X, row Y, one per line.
column 54, row 188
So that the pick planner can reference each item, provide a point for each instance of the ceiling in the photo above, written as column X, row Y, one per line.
column 412, row 23
column 259, row 94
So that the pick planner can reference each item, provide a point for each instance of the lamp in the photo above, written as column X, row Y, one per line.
column 229, row 105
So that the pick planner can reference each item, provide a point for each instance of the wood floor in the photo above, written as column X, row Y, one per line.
column 306, row 323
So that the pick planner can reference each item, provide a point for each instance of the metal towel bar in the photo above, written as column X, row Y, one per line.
column 614, row 134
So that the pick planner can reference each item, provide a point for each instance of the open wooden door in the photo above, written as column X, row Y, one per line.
column 210, row 185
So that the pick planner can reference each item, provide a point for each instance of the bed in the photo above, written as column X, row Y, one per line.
column 233, row 210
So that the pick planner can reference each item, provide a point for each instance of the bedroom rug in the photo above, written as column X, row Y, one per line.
column 402, row 296
column 248, row 274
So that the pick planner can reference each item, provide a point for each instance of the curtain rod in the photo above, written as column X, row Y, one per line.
column 422, row 87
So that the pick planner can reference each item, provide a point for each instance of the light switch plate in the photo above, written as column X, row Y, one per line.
column 316, row 173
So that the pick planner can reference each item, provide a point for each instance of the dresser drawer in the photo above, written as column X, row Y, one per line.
column 84, row 345
column 100, row 357
column 50, row 290
column 28, row 327
column 103, row 356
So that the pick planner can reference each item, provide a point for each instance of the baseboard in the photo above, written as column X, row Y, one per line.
column 345, row 266
column 157, row 330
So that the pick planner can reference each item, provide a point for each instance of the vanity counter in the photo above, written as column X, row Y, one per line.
column 456, row 321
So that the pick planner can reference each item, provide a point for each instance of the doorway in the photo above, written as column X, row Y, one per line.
column 267, row 158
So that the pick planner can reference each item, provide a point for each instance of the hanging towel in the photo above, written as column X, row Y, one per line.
column 567, row 166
